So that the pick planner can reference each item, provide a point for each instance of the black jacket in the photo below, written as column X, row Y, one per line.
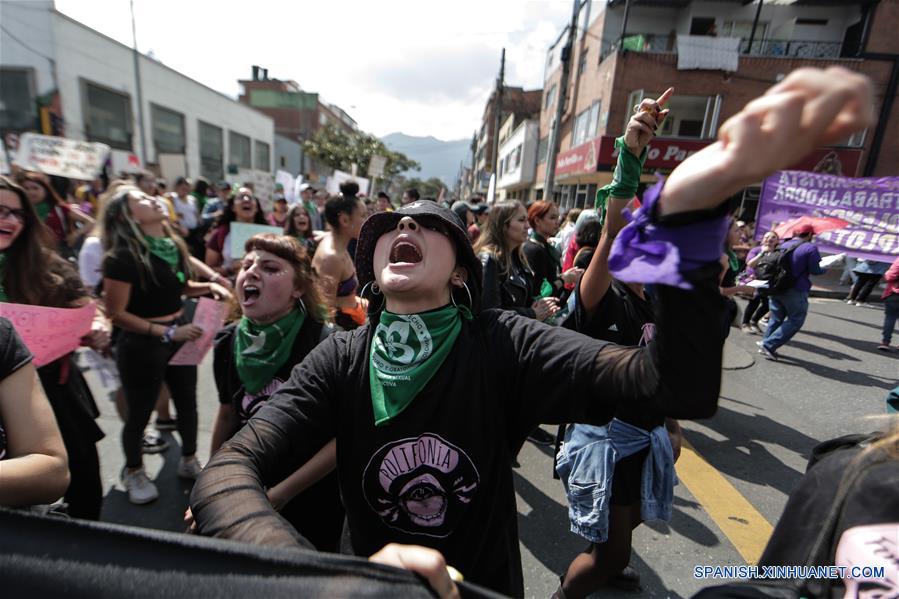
column 440, row 473
column 544, row 265
column 514, row 290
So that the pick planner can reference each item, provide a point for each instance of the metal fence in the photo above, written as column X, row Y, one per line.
column 651, row 42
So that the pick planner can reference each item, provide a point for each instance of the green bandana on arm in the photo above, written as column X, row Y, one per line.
column 260, row 350
column 625, row 180
column 732, row 261
column 165, row 249
column 406, row 351
column 3, row 296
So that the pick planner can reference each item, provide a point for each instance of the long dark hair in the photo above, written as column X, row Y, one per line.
column 228, row 215
column 35, row 274
column 291, row 229
column 493, row 236
column 122, row 233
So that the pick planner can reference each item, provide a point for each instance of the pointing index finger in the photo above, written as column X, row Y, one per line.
column 666, row 95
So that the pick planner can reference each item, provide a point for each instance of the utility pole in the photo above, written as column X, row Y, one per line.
column 140, row 95
column 497, row 117
column 755, row 24
column 553, row 144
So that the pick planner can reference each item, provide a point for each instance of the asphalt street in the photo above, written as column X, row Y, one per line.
column 830, row 381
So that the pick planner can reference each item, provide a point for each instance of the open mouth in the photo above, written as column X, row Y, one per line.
column 404, row 252
column 250, row 295
column 6, row 231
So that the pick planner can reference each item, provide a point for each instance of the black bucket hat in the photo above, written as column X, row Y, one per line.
column 422, row 211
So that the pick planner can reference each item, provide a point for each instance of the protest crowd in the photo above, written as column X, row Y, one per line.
column 380, row 362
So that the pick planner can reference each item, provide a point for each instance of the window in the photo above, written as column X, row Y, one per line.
column 18, row 109
column 168, row 130
column 542, row 147
column 691, row 116
column 583, row 61
column 550, row 97
column 586, row 125
column 107, row 116
column 322, row 119
column 263, row 157
column 212, row 152
column 239, row 150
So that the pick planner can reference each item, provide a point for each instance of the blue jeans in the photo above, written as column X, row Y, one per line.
column 890, row 316
column 788, row 312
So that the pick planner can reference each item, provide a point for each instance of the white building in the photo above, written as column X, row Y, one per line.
column 89, row 81
column 517, row 159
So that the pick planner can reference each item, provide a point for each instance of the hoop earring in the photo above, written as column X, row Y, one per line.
column 470, row 301
column 302, row 306
column 370, row 286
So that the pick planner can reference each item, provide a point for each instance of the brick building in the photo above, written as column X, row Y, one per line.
column 516, row 103
column 612, row 72
column 297, row 114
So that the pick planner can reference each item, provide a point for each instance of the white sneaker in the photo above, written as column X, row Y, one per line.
column 189, row 468
column 140, row 488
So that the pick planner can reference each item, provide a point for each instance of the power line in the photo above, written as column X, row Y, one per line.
column 23, row 44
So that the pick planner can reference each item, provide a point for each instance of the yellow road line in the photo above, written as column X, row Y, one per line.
column 743, row 525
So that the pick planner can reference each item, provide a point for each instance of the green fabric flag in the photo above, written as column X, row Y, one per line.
column 260, row 350
column 3, row 296
column 43, row 210
column 201, row 201
column 406, row 351
column 546, row 289
column 165, row 249
column 732, row 260
column 625, row 180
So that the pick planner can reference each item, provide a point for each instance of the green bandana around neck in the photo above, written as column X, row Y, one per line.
column 260, row 350
column 625, row 180
column 3, row 296
column 406, row 351
column 43, row 210
column 165, row 249
column 732, row 260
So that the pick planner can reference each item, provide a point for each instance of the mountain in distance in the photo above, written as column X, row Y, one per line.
column 438, row 158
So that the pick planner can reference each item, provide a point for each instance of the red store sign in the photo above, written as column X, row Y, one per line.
column 667, row 154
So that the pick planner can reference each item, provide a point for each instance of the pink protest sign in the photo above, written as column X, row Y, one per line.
column 209, row 316
column 49, row 333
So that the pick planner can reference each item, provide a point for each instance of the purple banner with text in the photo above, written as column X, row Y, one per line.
column 870, row 205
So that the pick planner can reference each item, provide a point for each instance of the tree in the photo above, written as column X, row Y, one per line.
column 427, row 189
column 340, row 150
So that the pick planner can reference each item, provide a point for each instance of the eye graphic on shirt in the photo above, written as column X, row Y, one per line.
column 420, row 485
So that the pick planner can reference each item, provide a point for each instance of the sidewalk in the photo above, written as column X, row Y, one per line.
column 828, row 286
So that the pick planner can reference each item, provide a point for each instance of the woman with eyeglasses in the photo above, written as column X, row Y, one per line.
column 242, row 207
column 32, row 274
column 430, row 401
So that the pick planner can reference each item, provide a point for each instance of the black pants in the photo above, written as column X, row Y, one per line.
column 143, row 366
column 75, row 411
column 864, row 285
column 757, row 307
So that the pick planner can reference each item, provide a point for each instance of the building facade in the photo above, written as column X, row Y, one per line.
column 616, row 64
column 517, row 159
column 70, row 80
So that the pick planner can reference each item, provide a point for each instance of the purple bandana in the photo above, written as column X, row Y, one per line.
column 645, row 252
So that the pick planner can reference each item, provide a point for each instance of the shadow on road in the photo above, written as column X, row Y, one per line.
column 856, row 344
column 742, row 455
column 167, row 512
column 850, row 377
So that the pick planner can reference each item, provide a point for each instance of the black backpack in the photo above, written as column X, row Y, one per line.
column 777, row 268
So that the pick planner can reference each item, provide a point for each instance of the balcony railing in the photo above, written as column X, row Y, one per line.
column 651, row 42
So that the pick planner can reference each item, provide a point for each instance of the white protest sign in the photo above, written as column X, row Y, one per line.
column 125, row 162
column 4, row 163
column 287, row 181
column 60, row 156
column 376, row 166
column 335, row 180
column 240, row 232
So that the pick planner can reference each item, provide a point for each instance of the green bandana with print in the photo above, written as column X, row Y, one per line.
column 43, row 210
column 406, row 351
column 260, row 350
column 3, row 296
column 165, row 249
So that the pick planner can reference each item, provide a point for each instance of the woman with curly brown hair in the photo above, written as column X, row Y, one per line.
column 278, row 319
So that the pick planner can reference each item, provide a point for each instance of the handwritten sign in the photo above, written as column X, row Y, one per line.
column 209, row 316
column 240, row 232
column 49, row 333
column 60, row 156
